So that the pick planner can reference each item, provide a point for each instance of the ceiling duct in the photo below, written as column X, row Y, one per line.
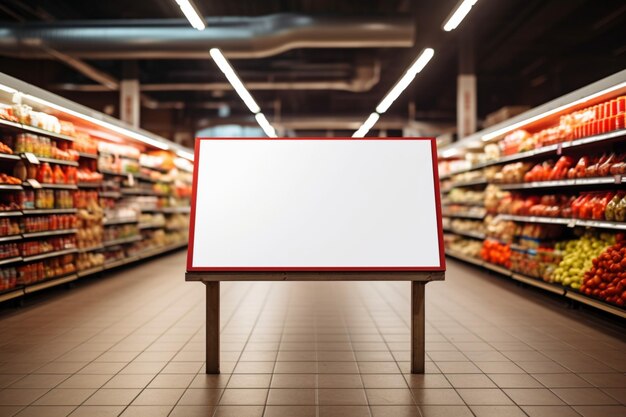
column 237, row 37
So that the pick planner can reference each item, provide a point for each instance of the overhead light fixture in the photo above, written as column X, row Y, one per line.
column 234, row 80
column 245, row 95
column 416, row 67
column 496, row 133
column 457, row 16
column 191, row 13
column 367, row 125
column 265, row 125
column 409, row 75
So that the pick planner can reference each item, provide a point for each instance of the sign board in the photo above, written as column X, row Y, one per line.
column 315, row 205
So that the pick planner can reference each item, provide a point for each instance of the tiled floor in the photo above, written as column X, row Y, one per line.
column 132, row 345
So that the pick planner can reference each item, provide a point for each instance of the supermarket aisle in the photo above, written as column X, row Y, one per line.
column 132, row 345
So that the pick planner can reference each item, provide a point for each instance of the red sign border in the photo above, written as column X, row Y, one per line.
column 192, row 220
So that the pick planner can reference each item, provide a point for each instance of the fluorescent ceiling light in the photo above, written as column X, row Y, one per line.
column 496, row 133
column 458, row 15
column 234, row 80
column 367, row 125
column 265, row 125
column 118, row 129
column 415, row 68
column 192, row 14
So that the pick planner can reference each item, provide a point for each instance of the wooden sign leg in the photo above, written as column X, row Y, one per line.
column 212, row 327
column 417, row 327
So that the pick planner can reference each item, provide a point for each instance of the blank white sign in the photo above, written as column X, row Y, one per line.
column 314, row 204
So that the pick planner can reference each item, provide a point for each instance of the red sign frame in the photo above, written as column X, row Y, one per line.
column 192, row 220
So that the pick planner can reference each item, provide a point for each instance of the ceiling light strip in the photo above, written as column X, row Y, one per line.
column 192, row 14
column 458, row 15
column 367, row 125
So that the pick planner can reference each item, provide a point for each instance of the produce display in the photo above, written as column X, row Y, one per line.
column 578, row 256
column 606, row 279
column 564, row 187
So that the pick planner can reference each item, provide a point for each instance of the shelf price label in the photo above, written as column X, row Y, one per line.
column 34, row 183
column 571, row 223
column 618, row 179
column 30, row 157
column 131, row 180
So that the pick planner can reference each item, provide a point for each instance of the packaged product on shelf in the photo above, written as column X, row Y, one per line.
column 9, row 250
column 9, row 180
column 496, row 252
column 8, row 278
column 9, row 227
column 5, row 148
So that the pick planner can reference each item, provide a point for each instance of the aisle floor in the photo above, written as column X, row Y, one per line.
column 132, row 344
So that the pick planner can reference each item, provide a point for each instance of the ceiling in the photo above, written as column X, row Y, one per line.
column 523, row 52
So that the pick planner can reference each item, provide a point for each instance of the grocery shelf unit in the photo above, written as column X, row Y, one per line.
column 45, row 242
column 558, row 129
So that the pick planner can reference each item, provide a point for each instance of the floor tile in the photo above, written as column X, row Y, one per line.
column 147, row 411
column 290, row 411
column 436, row 396
column 85, row 381
column 65, row 396
column 171, row 381
column 470, row 381
column 445, row 411
column 533, row 396
column 341, row 396
column 244, row 397
column 389, row 396
column 515, row 381
column 601, row 411
column 584, row 396
column 299, row 396
column 129, row 381
column 46, row 411
column 201, row 397
column 238, row 411
column 395, row 411
column 299, row 380
column 561, row 380
column 192, row 411
column 483, row 396
column 549, row 411
column 159, row 396
column 341, row 381
column 382, row 381
column 344, row 411
column 117, row 396
column 97, row 411
column 497, row 411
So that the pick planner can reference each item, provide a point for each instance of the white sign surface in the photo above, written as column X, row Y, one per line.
column 315, row 204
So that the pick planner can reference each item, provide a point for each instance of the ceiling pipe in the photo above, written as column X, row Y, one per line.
column 364, row 80
column 237, row 37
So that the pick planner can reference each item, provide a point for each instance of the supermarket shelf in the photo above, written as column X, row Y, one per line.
column 32, row 129
column 88, row 155
column 50, row 233
column 462, row 257
column 90, row 271
column 465, row 216
column 121, row 241
column 7, row 261
column 463, row 203
column 9, row 157
column 138, row 191
column 177, row 227
column 50, row 283
column 57, row 161
column 158, row 251
column 11, row 187
column 497, row 268
column 565, row 183
column 10, row 238
column 120, row 262
column 12, row 213
column 569, row 222
column 90, row 249
column 151, row 225
column 620, row 312
column 56, row 186
column 556, row 289
column 116, row 174
column 129, row 158
column 49, row 255
column 478, row 181
column 548, row 150
column 89, row 184
column 49, row 211
column 109, row 194
column 114, row 222
column 473, row 235
column 11, row 294
column 535, row 282
column 176, row 209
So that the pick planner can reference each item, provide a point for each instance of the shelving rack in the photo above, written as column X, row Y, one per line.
column 102, row 128
column 536, row 119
